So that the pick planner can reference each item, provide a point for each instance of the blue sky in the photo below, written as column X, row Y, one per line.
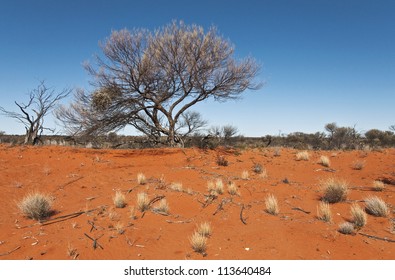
column 322, row 60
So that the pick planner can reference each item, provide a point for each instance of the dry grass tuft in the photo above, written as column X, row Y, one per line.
column 142, row 202
column 219, row 186
column 222, row 161
column 324, row 212
column 141, row 180
column 359, row 217
column 205, row 229
column 132, row 213
column 358, row 164
column 303, row 156
column 36, row 206
column 271, row 205
column 346, row 228
column 72, row 252
column 232, row 189
column 163, row 206
column 245, row 175
column 378, row 186
column 376, row 207
column 119, row 200
column 335, row 190
column 324, row 161
column 176, row 187
column 198, row 243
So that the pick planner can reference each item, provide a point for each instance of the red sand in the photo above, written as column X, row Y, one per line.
column 84, row 179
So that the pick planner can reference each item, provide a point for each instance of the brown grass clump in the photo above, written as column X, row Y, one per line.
column 324, row 161
column 163, row 206
column 378, row 186
column 36, row 206
column 141, row 180
column 324, row 212
column 142, row 202
column 119, row 200
column 303, row 156
column 245, row 175
column 346, row 228
column 198, row 243
column 358, row 215
column 222, row 161
column 376, row 207
column 271, row 205
column 219, row 186
column 176, row 187
column 334, row 190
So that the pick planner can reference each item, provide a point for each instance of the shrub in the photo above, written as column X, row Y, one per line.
column 271, row 205
column 303, row 156
column 334, row 190
column 376, row 207
column 359, row 217
column 324, row 212
column 36, row 206
column 198, row 242
column 142, row 202
column 257, row 168
column 378, row 186
column 141, row 180
column 119, row 200
column 324, row 161
column 346, row 228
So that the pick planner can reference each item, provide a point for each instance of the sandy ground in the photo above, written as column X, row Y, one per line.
column 84, row 179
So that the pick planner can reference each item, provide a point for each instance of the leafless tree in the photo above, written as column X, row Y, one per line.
column 150, row 80
column 41, row 101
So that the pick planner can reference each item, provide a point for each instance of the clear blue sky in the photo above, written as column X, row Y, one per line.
column 322, row 60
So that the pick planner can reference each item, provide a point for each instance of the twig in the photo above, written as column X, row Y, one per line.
column 241, row 215
column 377, row 237
column 95, row 243
column 69, row 183
column 300, row 209
column 155, row 199
column 9, row 252
column 178, row 222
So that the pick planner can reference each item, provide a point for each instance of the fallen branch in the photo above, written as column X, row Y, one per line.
column 95, row 243
column 69, row 183
column 241, row 215
column 300, row 209
column 377, row 237
column 178, row 222
column 9, row 252
column 155, row 199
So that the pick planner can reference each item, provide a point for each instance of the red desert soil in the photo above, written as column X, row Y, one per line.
column 86, row 179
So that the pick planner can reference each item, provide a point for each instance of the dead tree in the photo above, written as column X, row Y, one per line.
column 42, row 100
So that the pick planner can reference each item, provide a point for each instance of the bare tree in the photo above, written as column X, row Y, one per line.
column 150, row 80
column 41, row 101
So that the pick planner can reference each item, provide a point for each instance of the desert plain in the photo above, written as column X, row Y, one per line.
column 86, row 224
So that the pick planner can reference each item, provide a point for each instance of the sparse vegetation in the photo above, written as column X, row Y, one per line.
column 163, row 206
column 358, row 164
column 378, row 186
column 204, row 229
column 198, row 242
column 324, row 161
column 358, row 215
column 346, row 228
column 119, row 199
column 376, row 206
column 232, row 189
column 324, row 212
column 303, row 156
column 142, row 202
column 36, row 206
column 271, row 205
column 335, row 190
column 219, row 186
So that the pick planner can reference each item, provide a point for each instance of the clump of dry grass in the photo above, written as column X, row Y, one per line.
column 132, row 213
column 346, row 228
column 376, row 206
column 324, row 161
column 324, row 212
column 232, row 189
column 119, row 200
column 277, row 151
column 141, row 180
column 359, row 217
column 222, row 161
column 198, row 243
column 378, row 186
column 163, row 206
column 303, row 156
column 36, row 205
column 245, row 175
column 219, row 186
column 142, row 201
column 204, row 229
column 335, row 190
column 119, row 227
column 271, row 205
column 71, row 251
column 358, row 164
